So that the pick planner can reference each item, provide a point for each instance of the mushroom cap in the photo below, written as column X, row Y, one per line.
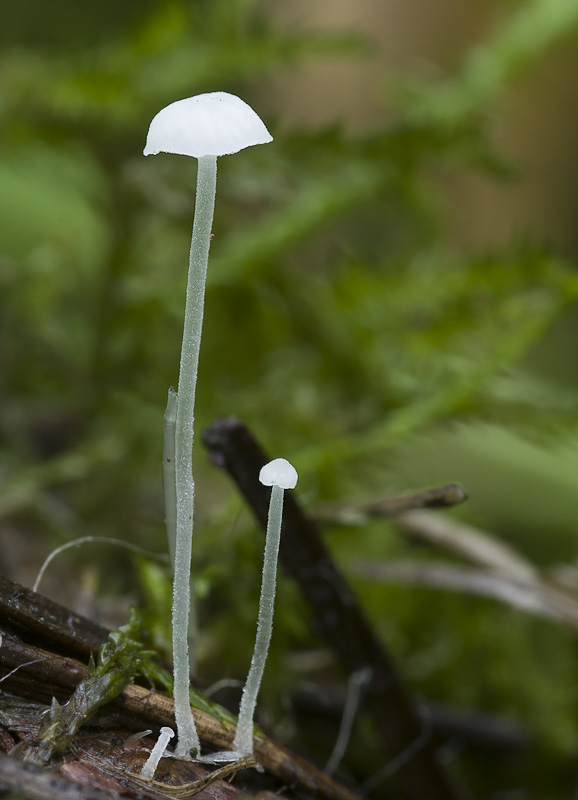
column 212, row 124
column 279, row 472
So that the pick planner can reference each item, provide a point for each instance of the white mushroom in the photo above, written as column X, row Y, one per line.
column 280, row 475
column 151, row 764
column 205, row 126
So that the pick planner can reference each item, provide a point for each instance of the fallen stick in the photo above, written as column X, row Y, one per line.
column 45, row 669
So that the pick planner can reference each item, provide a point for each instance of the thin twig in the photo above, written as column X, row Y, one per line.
column 134, row 548
column 500, row 559
column 20, row 666
column 469, row 543
column 355, row 686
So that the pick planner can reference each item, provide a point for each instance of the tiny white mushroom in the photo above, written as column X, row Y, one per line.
column 150, row 766
column 205, row 127
column 280, row 475
column 279, row 472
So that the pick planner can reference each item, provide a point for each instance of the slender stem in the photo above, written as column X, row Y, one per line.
column 205, row 202
column 355, row 685
column 170, row 493
column 86, row 540
column 244, row 737
column 169, row 480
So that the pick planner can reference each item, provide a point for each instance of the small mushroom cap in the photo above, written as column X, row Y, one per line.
column 279, row 472
column 212, row 124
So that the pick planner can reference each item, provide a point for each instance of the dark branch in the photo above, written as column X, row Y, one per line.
column 38, row 619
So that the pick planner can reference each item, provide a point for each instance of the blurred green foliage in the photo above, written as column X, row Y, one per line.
column 343, row 325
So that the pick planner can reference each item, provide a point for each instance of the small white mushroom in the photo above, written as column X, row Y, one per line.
column 150, row 766
column 280, row 475
column 205, row 127
column 279, row 472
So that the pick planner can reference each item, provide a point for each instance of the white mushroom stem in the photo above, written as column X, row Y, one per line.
column 150, row 766
column 285, row 477
column 170, row 495
column 169, row 484
column 188, row 739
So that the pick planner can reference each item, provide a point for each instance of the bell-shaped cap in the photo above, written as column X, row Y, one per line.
column 279, row 472
column 213, row 124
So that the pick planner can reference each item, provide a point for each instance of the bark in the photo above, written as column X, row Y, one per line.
column 33, row 671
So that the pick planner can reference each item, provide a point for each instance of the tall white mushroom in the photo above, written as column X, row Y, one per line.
column 280, row 475
column 205, row 127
